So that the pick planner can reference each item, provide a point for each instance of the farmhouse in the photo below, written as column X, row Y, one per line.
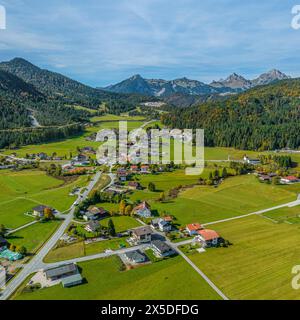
column 135, row 256
column 193, row 228
column 162, row 249
column 134, row 169
column 141, row 234
column 207, row 237
column 134, row 185
column 143, row 210
column 68, row 274
column 92, row 226
column 289, row 180
column 161, row 224
column 39, row 211
column 265, row 177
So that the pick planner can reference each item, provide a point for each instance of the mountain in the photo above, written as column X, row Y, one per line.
column 269, row 77
column 161, row 88
column 179, row 87
column 234, row 82
column 59, row 87
column 261, row 118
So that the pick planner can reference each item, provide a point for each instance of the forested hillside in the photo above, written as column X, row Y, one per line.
column 262, row 118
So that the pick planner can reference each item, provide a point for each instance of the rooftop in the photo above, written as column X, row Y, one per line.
column 208, row 234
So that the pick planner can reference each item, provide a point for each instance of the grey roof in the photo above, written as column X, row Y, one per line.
column 40, row 208
column 61, row 270
column 161, row 246
column 142, row 230
column 134, row 255
column 71, row 279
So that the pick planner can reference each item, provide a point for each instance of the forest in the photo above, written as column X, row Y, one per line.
column 263, row 118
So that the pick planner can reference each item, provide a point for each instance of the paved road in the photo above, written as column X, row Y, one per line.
column 36, row 262
column 20, row 228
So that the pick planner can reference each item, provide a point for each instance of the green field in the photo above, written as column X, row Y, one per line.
column 235, row 196
column 34, row 236
column 286, row 214
column 23, row 190
column 113, row 117
column 258, row 265
column 80, row 249
column 63, row 148
column 169, row 279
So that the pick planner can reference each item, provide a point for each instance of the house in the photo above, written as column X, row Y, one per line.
column 95, row 213
column 143, row 210
column 161, row 224
column 289, row 180
column 93, row 226
column 207, row 237
column 3, row 243
column 40, row 210
column 122, row 176
column 80, row 160
column 134, row 185
column 134, row 169
column 88, row 149
column 145, row 169
column 168, row 218
column 162, row 249
column 135, row 256
column 2, row 277
column 42, row 156
column 141, row 234
column 67, row 273
column 265, row 177
column 251, row 161
column 193, row 228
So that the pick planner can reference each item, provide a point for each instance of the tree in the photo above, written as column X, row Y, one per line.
column 151, row 187
column 224, row 173
column 12, row 247
column 22, row 250
column 111, row 228
column 48, row 214
column 2, row 230
column 128, row 210
column 162, row 197
column 122, row 207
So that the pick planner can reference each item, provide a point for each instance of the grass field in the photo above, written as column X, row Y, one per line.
column 23, row 190
column 235, row 196
column 63, row 148
column 169, row 279
column 258, row 265
column 34, row 236
column 286, row 214
column 80, row 249
column 113, row 117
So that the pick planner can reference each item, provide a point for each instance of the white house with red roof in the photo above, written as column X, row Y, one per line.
column 192, row 228
column 143, row 210
column 289, row 180
column 207, row 237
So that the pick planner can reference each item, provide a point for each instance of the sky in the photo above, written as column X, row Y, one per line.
column 100, row 42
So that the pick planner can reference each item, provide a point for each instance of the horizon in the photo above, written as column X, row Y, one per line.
column 100, row 44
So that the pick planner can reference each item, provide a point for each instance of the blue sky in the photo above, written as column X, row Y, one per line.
column 100, row 42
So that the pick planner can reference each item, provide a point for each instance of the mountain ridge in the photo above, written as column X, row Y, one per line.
column 234, row 83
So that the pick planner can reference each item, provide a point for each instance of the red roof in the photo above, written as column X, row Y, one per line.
column 194, row 226
column 142, row 205
column 291, row 178
column 208, row 234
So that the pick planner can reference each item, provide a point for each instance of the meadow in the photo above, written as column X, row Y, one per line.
column 23, row 190
column 64, row 148
column 34, row 236
column 286, row 214
column 259, row 262
column 235, row 196
column 171, row 279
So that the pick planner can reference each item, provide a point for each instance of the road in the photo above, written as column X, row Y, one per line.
column 36, row 262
